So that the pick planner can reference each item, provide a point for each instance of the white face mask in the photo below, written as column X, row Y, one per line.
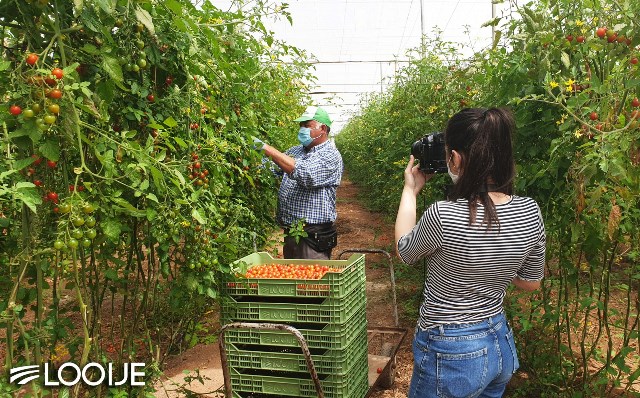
column 454, row 177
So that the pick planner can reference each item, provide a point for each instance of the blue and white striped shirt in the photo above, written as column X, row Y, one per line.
column 309, row 192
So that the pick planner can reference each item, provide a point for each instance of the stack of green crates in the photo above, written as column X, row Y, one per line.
column 329, row 312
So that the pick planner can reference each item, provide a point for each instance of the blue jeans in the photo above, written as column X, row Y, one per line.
column 467, row 360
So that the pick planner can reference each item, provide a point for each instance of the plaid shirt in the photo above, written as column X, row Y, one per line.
column 309, row 192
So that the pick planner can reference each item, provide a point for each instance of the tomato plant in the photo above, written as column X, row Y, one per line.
column 96, row 193
column 578, row 155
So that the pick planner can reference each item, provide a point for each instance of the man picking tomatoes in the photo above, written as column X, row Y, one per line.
column 311, row 173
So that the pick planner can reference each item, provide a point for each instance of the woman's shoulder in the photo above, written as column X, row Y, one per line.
column 525, row 203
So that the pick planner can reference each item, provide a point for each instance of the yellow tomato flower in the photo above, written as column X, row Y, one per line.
column 553, row 84
column 579, row 23
column 433, row 108
column 578, row 133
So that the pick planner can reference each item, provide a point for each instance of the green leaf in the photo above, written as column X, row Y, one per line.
column 151, row 214
column 27, row 130
column 157, row 177
column 564, row 57
column 107, row 6
column 111, row 229
column 22, row 163
column 180, row 176
column 111, row 274
column 30, row 197
column 198, row 217
column 4, row 65
column 113, row 69
column 180, row 142
column 50, row 150
column 152, row 197
column 145, row 18
column 170, row 122
column 78, row 4
column 90, row 49
column 174, row 6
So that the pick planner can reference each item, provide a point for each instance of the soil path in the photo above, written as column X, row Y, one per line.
column 358, row 228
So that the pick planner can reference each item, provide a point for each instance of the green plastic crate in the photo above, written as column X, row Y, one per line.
column 330, row 310
column 322, row 336
column 353, row 384
column 334, row 362
column 332, row 284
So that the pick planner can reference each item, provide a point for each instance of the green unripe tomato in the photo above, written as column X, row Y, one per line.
column 58, row 244
column 142, row 63
column 90, row 233
column 76, row 233
column 73, row 244
column 140, row 44
column 90, row 221
column 28, row 113
column 87, row 208
column 86, row 242
column 77, row 221
column 64, row 208
column 49, row 119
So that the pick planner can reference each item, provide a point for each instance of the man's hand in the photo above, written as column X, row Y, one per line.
column 258, row 144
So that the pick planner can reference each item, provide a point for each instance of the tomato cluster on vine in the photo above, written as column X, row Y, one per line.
column 198, row 174
column 77, row 224
column 46, row 91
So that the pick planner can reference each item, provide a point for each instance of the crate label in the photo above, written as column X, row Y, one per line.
column 277, row 339
column 279, row 364
column 281, row 388
column 277, row 289
column 281, row 314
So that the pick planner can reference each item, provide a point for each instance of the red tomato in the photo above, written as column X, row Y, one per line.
column 55, row 93
column 32, row 59
column 15, row 110
column 58, row 73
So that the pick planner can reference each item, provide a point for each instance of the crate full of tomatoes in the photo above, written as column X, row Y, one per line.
column 259, row 274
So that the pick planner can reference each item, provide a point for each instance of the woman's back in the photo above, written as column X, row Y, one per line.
column 471, row 266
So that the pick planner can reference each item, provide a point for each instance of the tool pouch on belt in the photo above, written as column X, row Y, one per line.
column 321, row 237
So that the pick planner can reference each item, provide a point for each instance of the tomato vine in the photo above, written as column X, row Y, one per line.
column 127, row 174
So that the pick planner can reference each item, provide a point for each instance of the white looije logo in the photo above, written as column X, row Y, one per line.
column 24, row 374
column 29, row 373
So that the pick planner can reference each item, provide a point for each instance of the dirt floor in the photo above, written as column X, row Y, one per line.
column 358, row 228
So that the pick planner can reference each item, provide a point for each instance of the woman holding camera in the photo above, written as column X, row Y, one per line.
column 477, row 242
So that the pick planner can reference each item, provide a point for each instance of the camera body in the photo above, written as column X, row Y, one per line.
column 429, row 151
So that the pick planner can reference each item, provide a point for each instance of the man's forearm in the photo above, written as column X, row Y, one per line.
column 285, row 162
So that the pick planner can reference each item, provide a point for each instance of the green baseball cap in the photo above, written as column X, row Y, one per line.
column 315, row 113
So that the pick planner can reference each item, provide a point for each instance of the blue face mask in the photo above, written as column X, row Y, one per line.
column 304, row 136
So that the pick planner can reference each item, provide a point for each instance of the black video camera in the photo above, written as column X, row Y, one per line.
column 429, row 151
